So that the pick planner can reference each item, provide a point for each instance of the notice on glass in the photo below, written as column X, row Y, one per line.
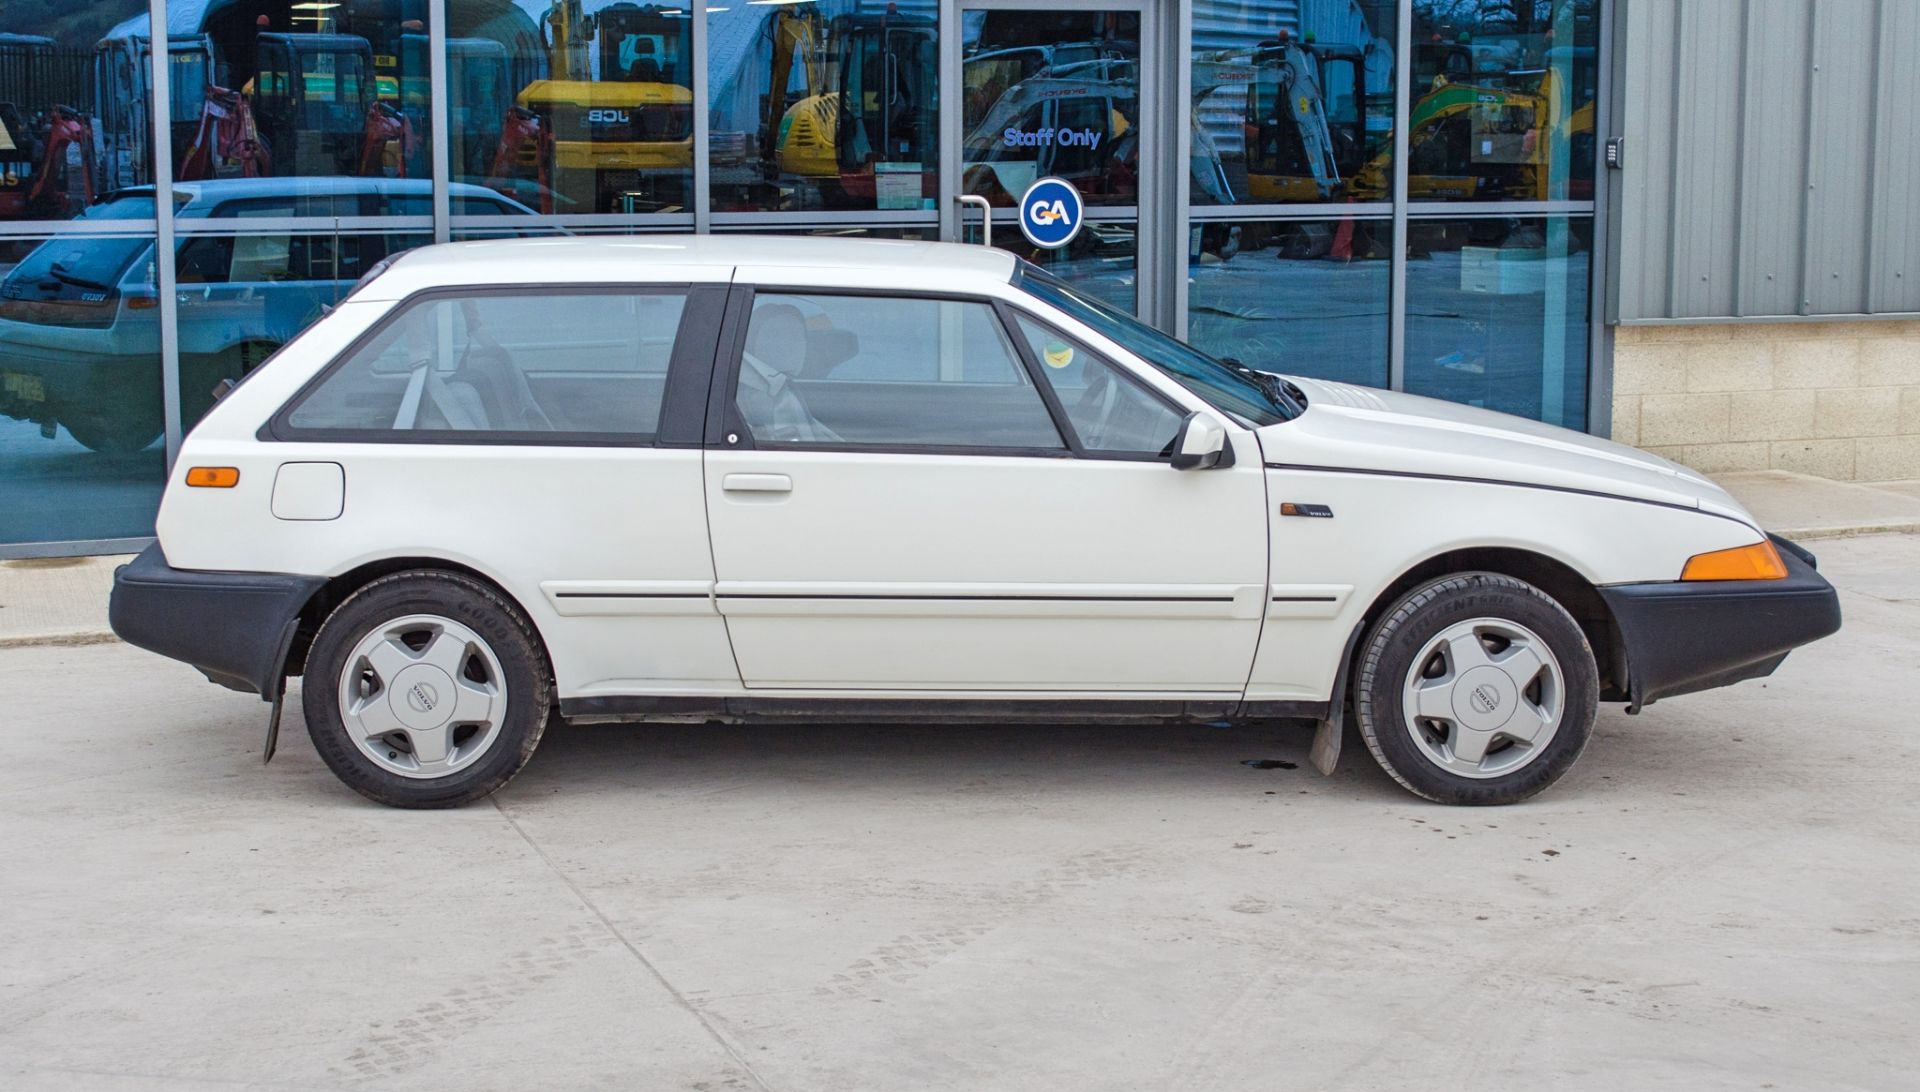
column 896, row 185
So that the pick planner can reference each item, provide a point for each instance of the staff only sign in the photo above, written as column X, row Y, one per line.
column 1050, row 213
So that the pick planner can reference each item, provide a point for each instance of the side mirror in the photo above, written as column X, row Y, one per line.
column 1201, row 444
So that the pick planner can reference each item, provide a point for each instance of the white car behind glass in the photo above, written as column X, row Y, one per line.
column 736, row 478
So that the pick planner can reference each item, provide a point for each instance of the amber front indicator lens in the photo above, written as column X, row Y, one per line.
column 1759, row 561
column 213, row 477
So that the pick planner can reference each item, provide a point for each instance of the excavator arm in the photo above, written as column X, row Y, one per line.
column 793, row 33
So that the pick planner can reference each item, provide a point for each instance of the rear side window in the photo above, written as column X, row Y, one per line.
column 283, row 258
column 568, row 365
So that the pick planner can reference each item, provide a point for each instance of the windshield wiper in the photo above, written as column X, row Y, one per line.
column 63, row 276
column 1271, row 385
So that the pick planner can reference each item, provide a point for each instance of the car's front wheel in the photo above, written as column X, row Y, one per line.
column 1476, row 689
column 425, row 689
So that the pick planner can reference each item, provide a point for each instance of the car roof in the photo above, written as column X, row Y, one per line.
column 222, row 189
column 883, row 263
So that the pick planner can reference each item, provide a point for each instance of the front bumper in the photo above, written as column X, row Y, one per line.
column 1679, row 638
column 235, row 628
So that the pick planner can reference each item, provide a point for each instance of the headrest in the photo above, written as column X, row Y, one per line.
column 777, row 335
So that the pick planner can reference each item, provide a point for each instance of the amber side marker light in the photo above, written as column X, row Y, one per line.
column 1759, row 561
column 213, row 477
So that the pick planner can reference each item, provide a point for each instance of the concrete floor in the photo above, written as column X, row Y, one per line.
column 1724, row 894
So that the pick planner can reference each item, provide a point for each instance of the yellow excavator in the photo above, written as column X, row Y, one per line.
column 1491, row 135
column 622, row 142
column 878, row 114
column 1304, row 116
column 799, row 139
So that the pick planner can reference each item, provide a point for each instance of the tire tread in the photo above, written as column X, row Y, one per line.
column 1374, row 649
column 337, row 752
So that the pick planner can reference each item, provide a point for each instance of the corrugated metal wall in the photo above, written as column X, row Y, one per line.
column 1772, row 158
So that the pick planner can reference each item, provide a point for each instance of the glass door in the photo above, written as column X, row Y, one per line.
column 1047, row 90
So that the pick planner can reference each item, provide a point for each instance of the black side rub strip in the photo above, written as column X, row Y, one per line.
column 983, row 598
column 629, row 595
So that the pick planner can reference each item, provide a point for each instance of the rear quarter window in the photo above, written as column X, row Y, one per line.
column 522, row 367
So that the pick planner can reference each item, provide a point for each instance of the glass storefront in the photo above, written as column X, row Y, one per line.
column 81, row 405
column 824, row 106
column 1292, row 103
column 1298, row 291
column 1497, row 314
column 1386, row 192
column 1503, row 100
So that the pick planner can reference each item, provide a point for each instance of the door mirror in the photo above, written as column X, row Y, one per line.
column 1201, row 444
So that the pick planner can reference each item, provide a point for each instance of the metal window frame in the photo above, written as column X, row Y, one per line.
column 1159, row 257
column 1599, row 416
column 160, row 119
column 1401, row 209
column 1162, row 291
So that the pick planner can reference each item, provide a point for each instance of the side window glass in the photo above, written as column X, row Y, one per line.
column 585, row 363
column 1108, row 410
column 887, row 371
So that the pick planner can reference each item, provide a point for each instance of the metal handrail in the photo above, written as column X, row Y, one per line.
column 986, row 215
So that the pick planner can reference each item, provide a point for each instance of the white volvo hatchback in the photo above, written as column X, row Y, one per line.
column 738, row 478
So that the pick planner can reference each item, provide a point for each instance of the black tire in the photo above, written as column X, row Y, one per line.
column 507, row 634
column 112, row 434
column 1403, row 631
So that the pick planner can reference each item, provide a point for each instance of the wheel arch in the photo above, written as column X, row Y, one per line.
column 1559, row 580
column 339, row 589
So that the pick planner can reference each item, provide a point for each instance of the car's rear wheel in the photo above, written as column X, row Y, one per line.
column 1476, row 689
column 426, row 689
column 113, row 433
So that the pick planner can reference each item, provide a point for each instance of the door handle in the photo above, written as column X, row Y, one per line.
column 757, row 483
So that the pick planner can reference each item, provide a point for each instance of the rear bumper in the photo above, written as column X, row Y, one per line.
column 234, row 627
column 1680, row 638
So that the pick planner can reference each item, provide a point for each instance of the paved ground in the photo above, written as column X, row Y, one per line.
column 1722, row 895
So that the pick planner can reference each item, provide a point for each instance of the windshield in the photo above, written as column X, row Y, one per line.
column 1228, row 386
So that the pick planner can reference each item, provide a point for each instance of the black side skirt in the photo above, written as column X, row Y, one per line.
column 949, row 710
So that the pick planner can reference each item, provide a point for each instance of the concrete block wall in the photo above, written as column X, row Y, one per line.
column 1835, row 399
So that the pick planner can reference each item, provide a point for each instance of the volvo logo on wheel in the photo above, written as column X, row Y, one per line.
column 1485, row 698
column 422, row 697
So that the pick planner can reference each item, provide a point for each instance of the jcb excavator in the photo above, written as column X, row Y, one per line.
column 1294, row 150
column 797, row 38
column 1485, row 135
column 880, row 111
column 622, row 142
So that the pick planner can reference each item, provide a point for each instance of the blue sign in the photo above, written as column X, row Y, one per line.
column 1050, row 213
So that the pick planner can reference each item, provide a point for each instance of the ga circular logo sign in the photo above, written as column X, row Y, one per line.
column 1050, row 213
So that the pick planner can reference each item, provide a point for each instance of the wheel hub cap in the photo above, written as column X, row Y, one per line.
column 423, row 696
column 1484, row 697
column 416, row 696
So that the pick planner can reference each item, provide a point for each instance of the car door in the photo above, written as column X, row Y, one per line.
column 900, row 500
